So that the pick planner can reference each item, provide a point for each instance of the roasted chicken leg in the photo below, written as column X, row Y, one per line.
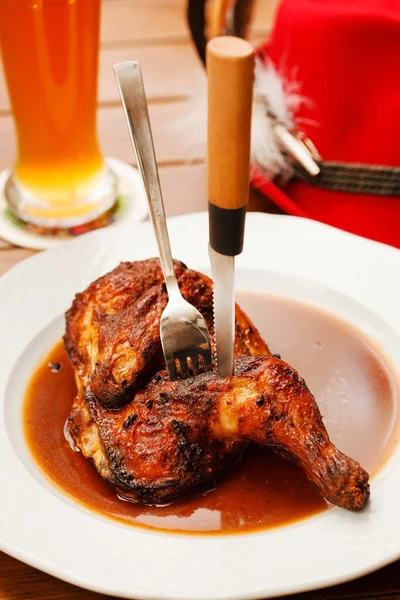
column 155, row 440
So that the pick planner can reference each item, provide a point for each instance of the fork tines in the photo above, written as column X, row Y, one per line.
column 183, row 364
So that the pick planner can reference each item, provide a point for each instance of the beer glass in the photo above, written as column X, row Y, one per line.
column 49, row 50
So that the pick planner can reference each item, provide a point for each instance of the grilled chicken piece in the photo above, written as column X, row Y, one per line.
column 113, row 327
column 155, row 440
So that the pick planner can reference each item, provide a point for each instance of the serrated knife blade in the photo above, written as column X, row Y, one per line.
column 223, row 274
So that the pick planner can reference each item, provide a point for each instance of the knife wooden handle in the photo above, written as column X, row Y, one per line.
column 230, row 71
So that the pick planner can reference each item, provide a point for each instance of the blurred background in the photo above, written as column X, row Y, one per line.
column 154, row 32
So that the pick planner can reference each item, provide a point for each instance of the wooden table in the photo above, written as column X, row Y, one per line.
column 155, row 33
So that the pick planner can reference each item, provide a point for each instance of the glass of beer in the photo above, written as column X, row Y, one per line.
column 49, row 50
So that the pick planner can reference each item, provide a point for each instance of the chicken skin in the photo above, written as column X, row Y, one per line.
column 156, row 440
column 113, row 328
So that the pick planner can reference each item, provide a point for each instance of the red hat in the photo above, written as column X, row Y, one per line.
column 330, row 73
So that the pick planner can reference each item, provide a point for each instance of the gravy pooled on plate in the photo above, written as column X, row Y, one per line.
column 262, row 490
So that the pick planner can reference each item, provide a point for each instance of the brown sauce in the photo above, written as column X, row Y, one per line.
column 263, row 490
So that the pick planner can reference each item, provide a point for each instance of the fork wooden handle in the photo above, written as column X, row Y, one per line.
column 230, row 71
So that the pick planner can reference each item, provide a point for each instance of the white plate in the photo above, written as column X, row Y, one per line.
column 356, row 278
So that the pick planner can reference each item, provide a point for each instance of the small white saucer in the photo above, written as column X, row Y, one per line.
column 130, row 208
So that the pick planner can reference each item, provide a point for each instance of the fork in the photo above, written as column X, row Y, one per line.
column 184, row 333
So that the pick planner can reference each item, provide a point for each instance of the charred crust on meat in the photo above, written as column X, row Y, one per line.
column 147, row 351
column 318, row 438
column 260, row 400
column 277, row 356
column 163, row 397
column 194, row 457
column 246, row 364
column 130, row 420
column 178, row 430
column 149, row 404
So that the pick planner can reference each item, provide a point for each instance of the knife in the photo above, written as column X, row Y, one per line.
column 230, row 72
